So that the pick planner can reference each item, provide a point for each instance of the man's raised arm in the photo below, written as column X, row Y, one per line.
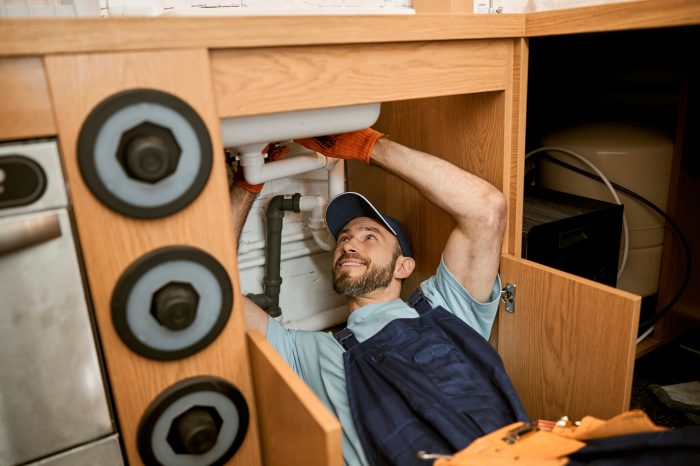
column 472, row 252
column 242, row 198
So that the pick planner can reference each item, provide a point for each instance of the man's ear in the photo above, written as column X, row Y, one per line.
column 404, row 267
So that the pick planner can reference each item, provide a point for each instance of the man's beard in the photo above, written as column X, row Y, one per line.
column 375, row 277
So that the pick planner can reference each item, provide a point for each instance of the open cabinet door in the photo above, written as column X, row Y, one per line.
column 296, row 429
column 569, row 345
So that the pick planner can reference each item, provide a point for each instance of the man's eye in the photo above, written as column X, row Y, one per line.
column 342, row 239
column 371, row 237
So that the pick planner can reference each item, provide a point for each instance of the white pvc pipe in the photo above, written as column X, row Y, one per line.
column 645, row 334
column 256, row 171
column 336, row 179
column 313, row 204
column 317, row 223
column 317, row 175
column 286, row 126
column 248, row 246
column 316, row 205
column 250, row 134
column 336, row 185
column 305, row 251
column 288, row 247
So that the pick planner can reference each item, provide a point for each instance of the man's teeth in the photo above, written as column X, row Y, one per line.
column 351, row 262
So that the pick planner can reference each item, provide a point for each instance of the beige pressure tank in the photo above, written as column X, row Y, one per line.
column 634, row 156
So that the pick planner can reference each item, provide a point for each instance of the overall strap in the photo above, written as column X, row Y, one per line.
column 418, row 302
column 346, row 338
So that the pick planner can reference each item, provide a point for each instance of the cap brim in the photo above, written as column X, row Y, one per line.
column 347, row 206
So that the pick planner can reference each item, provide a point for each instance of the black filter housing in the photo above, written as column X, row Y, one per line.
column 572, row 233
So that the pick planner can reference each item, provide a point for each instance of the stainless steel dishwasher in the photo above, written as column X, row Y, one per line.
column 54, row 407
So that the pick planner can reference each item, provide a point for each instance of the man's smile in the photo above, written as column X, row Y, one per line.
column 350, row 262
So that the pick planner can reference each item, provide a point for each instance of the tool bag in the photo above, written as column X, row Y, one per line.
column 628, row 439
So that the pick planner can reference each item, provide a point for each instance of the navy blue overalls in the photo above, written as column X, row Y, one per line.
column 430, row 383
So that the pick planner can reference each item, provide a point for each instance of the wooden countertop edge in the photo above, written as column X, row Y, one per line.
column 77, row 35
column 20, row 37
column 638, row 14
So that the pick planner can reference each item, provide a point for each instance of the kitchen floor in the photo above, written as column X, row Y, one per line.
column 675, row 363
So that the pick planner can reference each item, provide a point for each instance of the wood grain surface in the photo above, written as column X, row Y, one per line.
column 26, row 105
column 76, row 35
column 569, row 347
column 296, row 429
column 515, row 176
column 638, row 14
column 20, row 37
column 111, row 242
column 248, row 82
column 443, row 6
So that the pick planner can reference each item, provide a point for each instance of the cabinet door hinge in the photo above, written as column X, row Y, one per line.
column 508, row 296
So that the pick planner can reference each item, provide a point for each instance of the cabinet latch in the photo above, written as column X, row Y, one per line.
column 508, row 296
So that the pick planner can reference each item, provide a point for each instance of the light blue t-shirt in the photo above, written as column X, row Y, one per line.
column 318, row 358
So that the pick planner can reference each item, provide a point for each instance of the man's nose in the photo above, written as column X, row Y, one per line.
column 349, row 246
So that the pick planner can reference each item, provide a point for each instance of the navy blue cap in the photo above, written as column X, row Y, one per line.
column 347, row 206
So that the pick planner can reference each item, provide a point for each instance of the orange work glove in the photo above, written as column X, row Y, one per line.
column 357, row 145
column 274, row 153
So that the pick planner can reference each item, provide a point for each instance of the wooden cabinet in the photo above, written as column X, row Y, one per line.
column 569, row 346
column 649, row 78
column 295, row 427
column 25, row 95
column 454, row 86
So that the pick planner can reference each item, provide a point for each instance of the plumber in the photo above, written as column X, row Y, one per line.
column 404, row 376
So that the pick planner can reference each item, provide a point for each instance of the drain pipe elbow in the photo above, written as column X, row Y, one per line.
column 336, row 179
column 317, row 224
column 317, row 205
column 256, row 171
column 272, row 281
column 252, row 160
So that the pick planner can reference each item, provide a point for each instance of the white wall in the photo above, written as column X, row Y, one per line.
column 528, row 6
column 289, row 6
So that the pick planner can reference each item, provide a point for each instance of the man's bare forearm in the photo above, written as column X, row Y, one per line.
column 241, row 202
column 472, row 252
column 458, row 192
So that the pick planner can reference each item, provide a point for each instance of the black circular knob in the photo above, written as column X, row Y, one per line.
column 194, row 412
column 175, row 305
column 197, row 431
column 148, row 158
